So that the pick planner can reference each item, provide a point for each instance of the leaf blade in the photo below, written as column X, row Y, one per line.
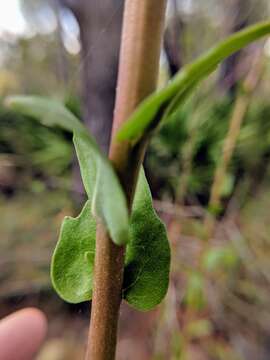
column 147, row 263
column 73, row 259
column 47, row 111
column 146, row 276
column 148, row 113
column 93, row 163
column 104, row 190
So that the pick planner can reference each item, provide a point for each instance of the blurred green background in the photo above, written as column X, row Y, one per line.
column 211, row 185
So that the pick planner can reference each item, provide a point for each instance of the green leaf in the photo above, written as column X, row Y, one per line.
column 147, row 261
column 101, row 183
column 73, row 259
column 47, row 111
column 159, row 106
column 147, row 268
column 103, row 189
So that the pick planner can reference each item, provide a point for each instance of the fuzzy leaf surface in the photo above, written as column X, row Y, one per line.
column 147, row 268
column 103, row 189
column 48, row 112
column 73, row 259
column 101, row 183
column 147, row 262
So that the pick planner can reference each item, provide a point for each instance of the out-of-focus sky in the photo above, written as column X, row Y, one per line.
column 11, row 18
column 12, row 22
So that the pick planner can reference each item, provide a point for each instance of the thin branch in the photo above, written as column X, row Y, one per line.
column 237, row 118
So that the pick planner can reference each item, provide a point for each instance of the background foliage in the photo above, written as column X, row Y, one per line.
column 217, row 306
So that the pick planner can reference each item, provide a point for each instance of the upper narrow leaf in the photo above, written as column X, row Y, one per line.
column 109, row 202
column 150, row 113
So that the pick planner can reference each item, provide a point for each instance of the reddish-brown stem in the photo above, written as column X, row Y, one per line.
column 139, row 63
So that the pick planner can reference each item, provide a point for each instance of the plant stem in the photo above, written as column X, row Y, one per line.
column 138, row 72
column 238, row 115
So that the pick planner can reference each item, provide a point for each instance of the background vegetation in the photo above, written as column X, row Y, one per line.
column 218, row 303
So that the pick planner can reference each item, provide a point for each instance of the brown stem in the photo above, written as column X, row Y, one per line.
column 139, row 63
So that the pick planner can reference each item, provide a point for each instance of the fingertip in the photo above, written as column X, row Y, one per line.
column 25, row 330
column 38, row 320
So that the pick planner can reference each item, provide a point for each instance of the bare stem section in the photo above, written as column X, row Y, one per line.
column 139, row 63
